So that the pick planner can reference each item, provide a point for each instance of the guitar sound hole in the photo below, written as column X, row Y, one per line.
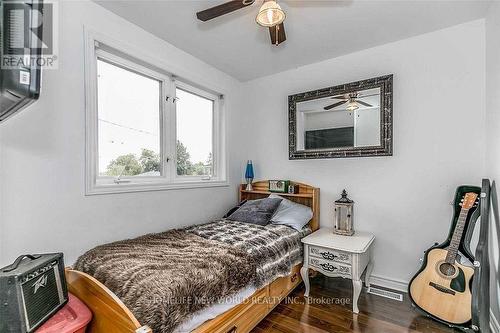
column 447, row 269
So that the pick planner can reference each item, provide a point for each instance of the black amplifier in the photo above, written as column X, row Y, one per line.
column 32, row 289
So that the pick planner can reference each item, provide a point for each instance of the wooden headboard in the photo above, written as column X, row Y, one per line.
column 307, row 195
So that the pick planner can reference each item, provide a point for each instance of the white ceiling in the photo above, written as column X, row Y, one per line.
column 316, row 30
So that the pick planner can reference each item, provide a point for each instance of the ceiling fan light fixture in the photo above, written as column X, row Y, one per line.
column 352, row 106
column 270, row 14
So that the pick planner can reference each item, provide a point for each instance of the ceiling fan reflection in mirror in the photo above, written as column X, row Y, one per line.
column 270, row 16
column 352, row 99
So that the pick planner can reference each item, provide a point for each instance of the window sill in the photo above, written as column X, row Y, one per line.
column 97, row 189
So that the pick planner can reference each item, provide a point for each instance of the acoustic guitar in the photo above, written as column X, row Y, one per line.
column 442, row 286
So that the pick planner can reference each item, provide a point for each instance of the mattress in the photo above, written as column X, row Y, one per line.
column 214, row 310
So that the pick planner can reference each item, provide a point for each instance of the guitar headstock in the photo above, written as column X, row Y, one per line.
column 469, row 200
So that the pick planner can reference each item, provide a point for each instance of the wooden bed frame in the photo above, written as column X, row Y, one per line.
column 112, row 316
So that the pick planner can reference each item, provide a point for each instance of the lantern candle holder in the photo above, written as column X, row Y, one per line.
column 343, row 223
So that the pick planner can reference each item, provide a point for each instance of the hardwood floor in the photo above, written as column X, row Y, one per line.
column 327, row 313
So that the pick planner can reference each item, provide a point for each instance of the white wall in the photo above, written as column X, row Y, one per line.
column 439, row 93
column 493, row 140
column 43, row 207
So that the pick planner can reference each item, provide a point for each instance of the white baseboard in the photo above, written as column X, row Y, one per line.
column 390, row 283
column 494, row 324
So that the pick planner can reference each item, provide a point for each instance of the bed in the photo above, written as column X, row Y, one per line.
column 259, row 297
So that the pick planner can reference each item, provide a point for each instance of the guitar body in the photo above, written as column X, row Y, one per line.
column 443, row 289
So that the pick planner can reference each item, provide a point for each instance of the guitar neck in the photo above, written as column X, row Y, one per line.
column 457, row 236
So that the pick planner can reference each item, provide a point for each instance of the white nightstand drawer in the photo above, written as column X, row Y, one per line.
column 330, row 255
column 330, row 267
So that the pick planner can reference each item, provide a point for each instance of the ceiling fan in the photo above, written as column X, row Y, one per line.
column 270, row 16
column 352, row 99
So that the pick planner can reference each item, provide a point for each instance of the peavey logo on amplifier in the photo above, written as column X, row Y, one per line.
column 42, row 282
column 31, row 290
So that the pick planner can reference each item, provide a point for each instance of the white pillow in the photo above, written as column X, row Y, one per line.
column 291, row 214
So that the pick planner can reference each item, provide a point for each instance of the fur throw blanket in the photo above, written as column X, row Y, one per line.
column 275, row 248
column 163, row 278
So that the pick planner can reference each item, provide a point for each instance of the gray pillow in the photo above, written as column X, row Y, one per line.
column 291, row 214
column 256, row 211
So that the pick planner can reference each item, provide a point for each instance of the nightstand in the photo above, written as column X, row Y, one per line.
column 338, row 256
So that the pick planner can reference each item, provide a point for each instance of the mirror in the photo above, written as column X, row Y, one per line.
column 349, row 120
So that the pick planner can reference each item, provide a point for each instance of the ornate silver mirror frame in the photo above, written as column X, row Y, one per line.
column 384, row 147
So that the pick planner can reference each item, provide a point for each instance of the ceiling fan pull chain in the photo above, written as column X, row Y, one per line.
column 277, row 34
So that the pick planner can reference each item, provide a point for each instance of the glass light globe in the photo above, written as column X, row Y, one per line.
column 270, row 14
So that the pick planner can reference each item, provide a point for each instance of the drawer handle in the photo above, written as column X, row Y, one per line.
column 232, row 330
column 294, row 278
column 328, row 255
column 328, row 267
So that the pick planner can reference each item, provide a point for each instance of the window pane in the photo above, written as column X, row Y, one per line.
column 194, row 134
column 129, row 122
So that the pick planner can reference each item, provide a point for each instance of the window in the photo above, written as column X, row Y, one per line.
column 194, row 116
column 147, row 130
column 128, row 122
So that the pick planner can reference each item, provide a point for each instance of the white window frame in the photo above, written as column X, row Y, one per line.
column 168, row 179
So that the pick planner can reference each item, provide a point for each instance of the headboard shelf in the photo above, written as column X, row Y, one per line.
column 299, row 195
column 307, row 195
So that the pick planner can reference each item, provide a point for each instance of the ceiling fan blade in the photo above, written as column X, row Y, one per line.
column 220, row 10
column 338, row 97
column 334, row 105
column 277, row 33
column 363, row 103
